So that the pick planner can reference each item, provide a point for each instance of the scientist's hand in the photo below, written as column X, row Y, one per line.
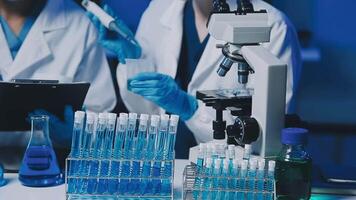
column 113, row 41
column 163, row 91
column 60, row 131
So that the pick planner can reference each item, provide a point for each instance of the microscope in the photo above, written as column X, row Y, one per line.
column 259, row 112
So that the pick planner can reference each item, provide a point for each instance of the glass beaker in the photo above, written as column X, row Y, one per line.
column 39, row 166
column 2, row 180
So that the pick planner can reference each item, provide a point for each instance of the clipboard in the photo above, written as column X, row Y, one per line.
column 20, row 97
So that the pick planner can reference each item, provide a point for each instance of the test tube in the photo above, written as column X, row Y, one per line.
column 247, row 152
column 200, row 167
column 233, row 182
column 128, row 153
column 150, row 149
column 224, row 180
column 216, row 180
column 121, row 127
column 209, row 150
column 139, row 143
column 270, row 179
column 161, row 138
column 260, row 179
column 87, row 139
column 75, row 149
column 77, row 133
column 208, row 173
column 200, row 157
column 168, row 154
column 97, row 153
column 251, row 176
column 243, row 175
column 106, row 153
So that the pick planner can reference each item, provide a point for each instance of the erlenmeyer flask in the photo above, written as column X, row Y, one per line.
column 39, row 166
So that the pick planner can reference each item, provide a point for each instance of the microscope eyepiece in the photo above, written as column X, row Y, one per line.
column 225, row 66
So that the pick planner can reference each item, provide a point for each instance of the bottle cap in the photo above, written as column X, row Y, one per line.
column 271, row 165
column 154, row 120
column 102, row 117
column 261, row 164
column 123, row 117
column 91, row 118
column 132, row 116
column 79, row 116
column 112, row 118
column 253, row 164
column 174, row 120
column 294, row 136
column 143, row 119
column 164, row 120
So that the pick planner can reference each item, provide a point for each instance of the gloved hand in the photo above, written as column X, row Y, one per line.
column 113, row 41
column 60, row 131
column 164, row 91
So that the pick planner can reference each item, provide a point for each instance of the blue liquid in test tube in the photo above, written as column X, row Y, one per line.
column 97, row 153
column 139, row 144
column 260, row 179
column 161, row 138
column 224, row 180
column 128, row 154
column 117, row 153
column 168, row 154
column 243, row 175
column 106, row 152
column 75, row 149
column 147, row 187
column 233, row 183
column 87, row 139
column 216, row 180
column 270, row 178
column 200, row 164
column 251, row 176
column 207, row 181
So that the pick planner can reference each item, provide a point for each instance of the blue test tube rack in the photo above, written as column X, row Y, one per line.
column 138, row 183
column 192, row 192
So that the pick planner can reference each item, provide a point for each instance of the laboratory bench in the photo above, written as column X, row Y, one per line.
column 15, row 191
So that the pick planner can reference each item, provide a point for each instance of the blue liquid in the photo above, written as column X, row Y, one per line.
column 146, row 185
column 156, row 183
column 198, row 182
column 113, row 184
column 260, row 180
column 39, row 168
column 2, row 180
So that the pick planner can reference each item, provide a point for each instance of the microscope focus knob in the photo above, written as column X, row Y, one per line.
column 245, row 130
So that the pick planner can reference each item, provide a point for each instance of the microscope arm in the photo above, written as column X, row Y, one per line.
column 268, row 101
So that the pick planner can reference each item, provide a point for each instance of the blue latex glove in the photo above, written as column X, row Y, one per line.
column 113, row 41
column 164, row 91
column 60, row 131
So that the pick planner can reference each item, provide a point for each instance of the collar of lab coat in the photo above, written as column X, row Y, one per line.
column 35, row 47
column 172, row 19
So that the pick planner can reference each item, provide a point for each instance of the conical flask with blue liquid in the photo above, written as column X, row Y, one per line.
column 39, row 166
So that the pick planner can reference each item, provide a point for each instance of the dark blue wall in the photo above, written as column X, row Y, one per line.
column 129, row 10
column 327, row 93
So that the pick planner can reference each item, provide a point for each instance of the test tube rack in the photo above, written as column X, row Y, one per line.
column 191, row 191
column 84, row 186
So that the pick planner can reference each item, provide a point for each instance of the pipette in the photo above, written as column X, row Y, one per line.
column 108, row 21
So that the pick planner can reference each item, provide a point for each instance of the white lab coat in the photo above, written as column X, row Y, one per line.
column 160, row 35
column 61, row 45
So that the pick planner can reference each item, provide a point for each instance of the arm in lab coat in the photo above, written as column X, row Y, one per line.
column 94, row 68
